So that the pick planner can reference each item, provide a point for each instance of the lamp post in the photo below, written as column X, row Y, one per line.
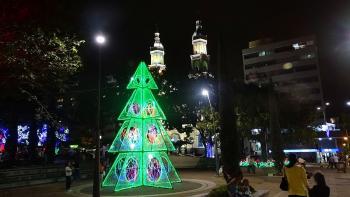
column 205, row 93
column 100, row 41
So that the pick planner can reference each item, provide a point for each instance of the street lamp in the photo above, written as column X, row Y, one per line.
column 205, row 93
column 348, row 103
column 327, row 103
column 100, row 41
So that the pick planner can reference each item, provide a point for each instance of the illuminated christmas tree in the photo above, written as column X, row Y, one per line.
column 142, row 142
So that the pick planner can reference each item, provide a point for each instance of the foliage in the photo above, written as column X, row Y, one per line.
column 252, row 113
column 296, row 118
column 220, row 191
column 39, row 63
column 36, row 70
column 208, row 124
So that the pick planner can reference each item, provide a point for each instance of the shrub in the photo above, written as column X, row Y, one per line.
column 219, row 192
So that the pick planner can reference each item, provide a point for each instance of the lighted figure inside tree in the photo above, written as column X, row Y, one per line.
column 3, row 137
column 42, row 135
column 142, row 141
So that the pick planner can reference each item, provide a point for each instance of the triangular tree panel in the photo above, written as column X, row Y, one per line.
column 129, row 137
column 142, row 104
column 153, row 138
column 150, row 107
column 142, row 78
column 155, row 172
column 113, row 175
column 166, row 139
column 171, row 172
column 131, row 171
column 117, row 142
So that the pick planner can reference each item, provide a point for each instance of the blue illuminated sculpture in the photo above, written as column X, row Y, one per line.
column 23, row 134
column 42, row 135
column 3, row 137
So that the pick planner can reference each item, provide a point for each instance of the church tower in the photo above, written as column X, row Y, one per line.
column 157, row 56
column 200, row 57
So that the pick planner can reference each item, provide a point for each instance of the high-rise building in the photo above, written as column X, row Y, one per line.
column 291, row 65
column 157, row 56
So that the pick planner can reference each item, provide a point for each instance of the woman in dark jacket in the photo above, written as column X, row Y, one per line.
column 320, row 189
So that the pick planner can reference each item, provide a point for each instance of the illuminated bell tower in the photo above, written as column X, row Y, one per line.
column 157, row 56
column 200, row 57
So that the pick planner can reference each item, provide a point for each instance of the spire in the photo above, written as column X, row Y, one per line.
column 157, row 44
column 199, row 33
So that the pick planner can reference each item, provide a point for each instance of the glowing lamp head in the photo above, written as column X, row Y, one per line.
column 132, row 146
column 348, row 103
column 345, row 138
column 205, row 92
column 318, row 108
column 327, row 103
column 100, row 39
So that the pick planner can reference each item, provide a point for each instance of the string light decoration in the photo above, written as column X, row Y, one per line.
column 23, row 134
column 3, row 137
column 42, row 135
column 62, row 135
column 268, row 164
column 141, row 141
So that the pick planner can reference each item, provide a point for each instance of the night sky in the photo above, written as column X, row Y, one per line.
column 130, row 25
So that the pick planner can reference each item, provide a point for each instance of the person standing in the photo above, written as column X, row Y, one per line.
column 330, row 161
column 335, row 161
column 297, row 179
column 320, row 189
column 68, row 171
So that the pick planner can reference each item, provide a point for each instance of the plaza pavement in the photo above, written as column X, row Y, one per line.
column 338, row 182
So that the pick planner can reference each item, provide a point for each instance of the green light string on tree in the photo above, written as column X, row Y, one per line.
column 142, row 141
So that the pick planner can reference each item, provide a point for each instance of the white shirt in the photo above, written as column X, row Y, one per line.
column 68, row 171
column 336, row 159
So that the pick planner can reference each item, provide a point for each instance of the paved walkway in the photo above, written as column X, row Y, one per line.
column 338, row 182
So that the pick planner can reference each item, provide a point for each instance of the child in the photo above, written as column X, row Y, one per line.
column 320, row 189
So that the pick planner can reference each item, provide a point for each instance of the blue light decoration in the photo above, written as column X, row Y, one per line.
column 300, row 151
column 330, row 150
column 210, row 152
column 42, row 135
column 23, row 134
column 3, row 137
column 62, row 135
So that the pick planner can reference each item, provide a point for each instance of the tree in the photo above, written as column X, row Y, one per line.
column 142, row 141
column 36, row 68
column 252, row 113
column 208, row 125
